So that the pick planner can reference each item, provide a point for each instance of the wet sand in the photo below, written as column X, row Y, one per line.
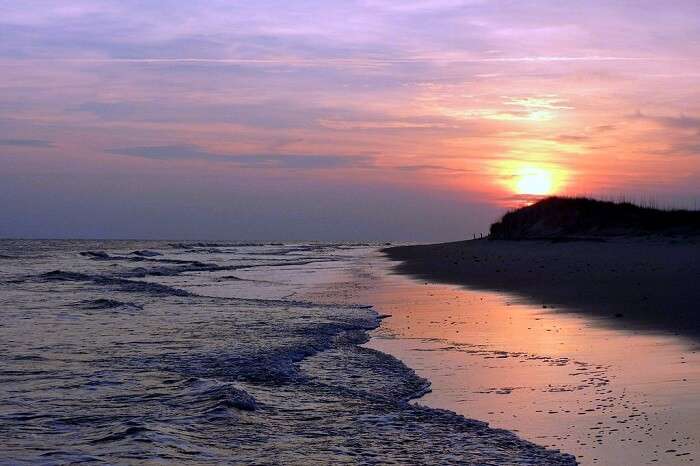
column 607, row 395
column 643, row 284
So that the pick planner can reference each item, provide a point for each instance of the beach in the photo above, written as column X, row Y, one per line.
column 562, row 379
column 301, row 353
column 203, row 353
column 646, row 284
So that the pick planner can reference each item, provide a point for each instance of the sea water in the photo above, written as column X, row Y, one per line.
column 143, row 351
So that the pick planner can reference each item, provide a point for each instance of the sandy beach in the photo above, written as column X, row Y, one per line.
column 588, row 384
column 647, row 284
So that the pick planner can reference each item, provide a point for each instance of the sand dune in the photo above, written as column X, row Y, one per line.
column 580, row 217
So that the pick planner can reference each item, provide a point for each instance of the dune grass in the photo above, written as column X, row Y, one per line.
column 569, row 217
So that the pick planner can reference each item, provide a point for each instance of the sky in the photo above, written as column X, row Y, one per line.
column 419, row 120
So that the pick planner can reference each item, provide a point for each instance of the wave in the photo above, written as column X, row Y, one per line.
column 275, row 362
column 103, row 303
column 193, row 246
column 130, row 432
column 146, row 253
column 171, row 271
column 96, row 255
column 135, row 256
column 61, row 275
column 156, row 289
column 212, row 395
column 179, row 266
column 119, row 284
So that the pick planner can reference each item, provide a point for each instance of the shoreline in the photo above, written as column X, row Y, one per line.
column 482, row 440
column 258, row 371
column 558, row 379
column 646, row 285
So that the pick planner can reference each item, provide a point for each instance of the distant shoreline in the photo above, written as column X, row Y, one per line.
column 647, row 284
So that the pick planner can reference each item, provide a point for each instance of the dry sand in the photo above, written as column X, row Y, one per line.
column 641, row 284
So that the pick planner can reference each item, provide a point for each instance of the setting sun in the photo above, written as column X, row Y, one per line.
column 534, row 181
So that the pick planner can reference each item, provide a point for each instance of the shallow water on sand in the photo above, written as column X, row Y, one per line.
column 609, row 396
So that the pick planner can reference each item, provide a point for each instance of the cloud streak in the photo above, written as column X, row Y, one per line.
column 287, row 161
column 33, row 143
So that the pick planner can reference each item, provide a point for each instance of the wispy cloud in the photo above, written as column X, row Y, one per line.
column 540, row 102
column 350, row 125
column 359, row 61
column 289, row 161
column 35, row 143
column 435, row 168
column 267, row 113
column 678, row 122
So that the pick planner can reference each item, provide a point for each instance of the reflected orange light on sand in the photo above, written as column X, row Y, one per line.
column 485, row 350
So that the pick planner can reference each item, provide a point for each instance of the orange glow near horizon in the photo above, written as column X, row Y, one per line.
column 534, row 181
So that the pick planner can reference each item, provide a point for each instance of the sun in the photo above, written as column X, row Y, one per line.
column 534, row 181
column 528, row 181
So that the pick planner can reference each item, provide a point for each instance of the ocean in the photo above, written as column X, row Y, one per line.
column 209, row 353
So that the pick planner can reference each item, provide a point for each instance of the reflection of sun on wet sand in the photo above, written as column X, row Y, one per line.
column 639, row 267
column 562, row 380
column 553, row 378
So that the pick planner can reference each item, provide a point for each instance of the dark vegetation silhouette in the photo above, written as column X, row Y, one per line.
column 581, row 217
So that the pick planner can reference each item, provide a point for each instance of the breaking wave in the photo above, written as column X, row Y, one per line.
column 123, row 370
